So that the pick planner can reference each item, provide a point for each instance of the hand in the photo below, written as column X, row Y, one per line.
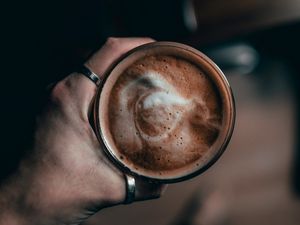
column 66, row 176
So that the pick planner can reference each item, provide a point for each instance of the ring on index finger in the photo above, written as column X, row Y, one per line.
column 90, row 74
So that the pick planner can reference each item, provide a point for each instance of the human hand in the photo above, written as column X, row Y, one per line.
column 66, row 176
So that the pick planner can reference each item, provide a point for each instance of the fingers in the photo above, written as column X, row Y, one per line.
column 113, row 49
column 82, row 90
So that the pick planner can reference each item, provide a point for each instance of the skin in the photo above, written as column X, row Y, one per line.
column 66, row 177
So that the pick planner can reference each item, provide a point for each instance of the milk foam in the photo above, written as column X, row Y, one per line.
column 155, row 123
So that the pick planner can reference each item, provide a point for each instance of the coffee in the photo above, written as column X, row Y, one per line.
column 162, row 115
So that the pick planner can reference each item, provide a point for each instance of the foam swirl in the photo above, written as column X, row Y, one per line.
column 155, row 106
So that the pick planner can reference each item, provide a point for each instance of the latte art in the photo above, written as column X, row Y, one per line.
column 155, row 106
column 164, row 114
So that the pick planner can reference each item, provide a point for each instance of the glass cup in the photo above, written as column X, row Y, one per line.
column 163, row 171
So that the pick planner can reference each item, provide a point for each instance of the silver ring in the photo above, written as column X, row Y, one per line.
column 130, row 189
column 90, row 74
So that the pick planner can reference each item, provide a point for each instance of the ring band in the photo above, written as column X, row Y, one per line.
column 90, row 74
column 130, row 189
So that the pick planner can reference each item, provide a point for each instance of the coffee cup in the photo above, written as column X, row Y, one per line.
column 164, row 111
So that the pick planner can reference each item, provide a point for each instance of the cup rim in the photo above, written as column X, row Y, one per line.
column 231, row 114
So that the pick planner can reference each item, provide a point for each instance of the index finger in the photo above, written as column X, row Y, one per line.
column 113, row 49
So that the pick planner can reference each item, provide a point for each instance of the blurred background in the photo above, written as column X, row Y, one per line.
column 256, row 44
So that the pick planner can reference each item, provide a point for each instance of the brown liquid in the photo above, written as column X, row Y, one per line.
column 164, row 114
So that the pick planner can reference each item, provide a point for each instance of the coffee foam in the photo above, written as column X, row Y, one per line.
column 164, row 114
